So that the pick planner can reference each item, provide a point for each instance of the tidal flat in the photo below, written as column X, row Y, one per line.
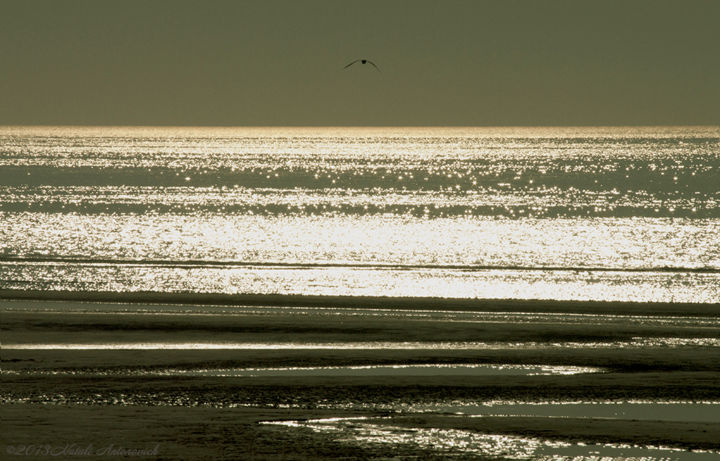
column 252, row 377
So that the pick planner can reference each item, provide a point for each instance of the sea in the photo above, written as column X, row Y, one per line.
column 556, row 213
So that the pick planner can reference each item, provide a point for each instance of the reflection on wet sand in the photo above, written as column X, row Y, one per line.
column 511, row 380
column 366, row 431
column 374, row 345
column 349, row 371
column 706, row 411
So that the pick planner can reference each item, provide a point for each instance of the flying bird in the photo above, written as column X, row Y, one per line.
column 363, row 61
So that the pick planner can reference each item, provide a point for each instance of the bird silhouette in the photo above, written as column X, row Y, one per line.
column 363, row 61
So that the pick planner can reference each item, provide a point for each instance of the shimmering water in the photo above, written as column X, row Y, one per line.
column 431, row 369
column 548, row 213
column 453, row 442
column 635, row 410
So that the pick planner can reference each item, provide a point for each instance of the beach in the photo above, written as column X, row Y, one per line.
column 517, row 293
column 149, row 369
column 361, row 230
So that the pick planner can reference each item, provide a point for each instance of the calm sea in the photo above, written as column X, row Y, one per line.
column 532, row 213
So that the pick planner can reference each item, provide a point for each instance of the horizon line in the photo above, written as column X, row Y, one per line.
column 102, row 125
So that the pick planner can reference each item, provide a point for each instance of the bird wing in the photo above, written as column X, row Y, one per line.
column 357, row 60
column 373, row 64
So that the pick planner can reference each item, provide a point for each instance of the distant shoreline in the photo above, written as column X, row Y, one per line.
column 374, row 302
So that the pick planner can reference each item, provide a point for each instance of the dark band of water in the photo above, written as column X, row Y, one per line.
column 323, row 265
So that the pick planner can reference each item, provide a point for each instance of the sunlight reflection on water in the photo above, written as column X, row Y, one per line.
column 345, row 281
column 607, row 200
column 707, row 411
column 452, row 441
column 367, row 370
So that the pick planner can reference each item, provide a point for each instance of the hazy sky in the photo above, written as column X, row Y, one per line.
column 281, row 62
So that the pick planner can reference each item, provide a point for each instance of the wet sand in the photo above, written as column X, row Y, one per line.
column 56, row 393
column 375, row 302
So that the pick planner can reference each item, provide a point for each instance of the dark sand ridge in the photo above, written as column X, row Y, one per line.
column 393, row 337
column 178, row 432
column 212, row 417
column 490, row 305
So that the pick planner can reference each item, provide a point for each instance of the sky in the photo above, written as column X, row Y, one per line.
column 281, row 62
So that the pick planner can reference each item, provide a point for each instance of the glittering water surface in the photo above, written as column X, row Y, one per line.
column 456, row 442
column 561, row 213
column 636, row 410
column 432, row 369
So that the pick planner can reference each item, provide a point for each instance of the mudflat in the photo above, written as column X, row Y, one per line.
column 201, row 380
